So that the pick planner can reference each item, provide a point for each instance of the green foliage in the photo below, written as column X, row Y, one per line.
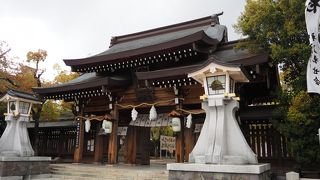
column 278, row 27
column 300, row 122
column 157, row 131
column 63, row 76
column 50, row 111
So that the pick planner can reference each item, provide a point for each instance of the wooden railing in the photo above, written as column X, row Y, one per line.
column 268, row 144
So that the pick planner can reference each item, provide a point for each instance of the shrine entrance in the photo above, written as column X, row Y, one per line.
column 95, row 148
column 140, row 143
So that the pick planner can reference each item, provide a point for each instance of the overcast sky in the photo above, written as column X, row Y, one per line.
column 70, row 29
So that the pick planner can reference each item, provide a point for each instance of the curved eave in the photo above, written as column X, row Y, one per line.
column 166, row 73
column 252, row 60
column 104, row 81
column 198, row 36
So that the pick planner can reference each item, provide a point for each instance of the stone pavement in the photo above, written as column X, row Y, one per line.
column 155, row 171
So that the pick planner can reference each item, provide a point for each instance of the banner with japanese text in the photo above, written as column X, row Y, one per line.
column 312, row 13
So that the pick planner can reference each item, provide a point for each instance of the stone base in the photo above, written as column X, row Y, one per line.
column 19, row 167
column 192, row 171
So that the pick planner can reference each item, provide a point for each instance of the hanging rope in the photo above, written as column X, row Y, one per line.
column 191, row 112
column 98, row 118
column 144, row 104
column 101, row 118
column 159, row 102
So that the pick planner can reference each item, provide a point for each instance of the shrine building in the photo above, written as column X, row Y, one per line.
column 144, row 75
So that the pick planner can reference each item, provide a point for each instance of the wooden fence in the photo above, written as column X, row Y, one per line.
column 268, row 144
column 55, row 141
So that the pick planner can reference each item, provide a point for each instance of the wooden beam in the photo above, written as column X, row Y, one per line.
column 113, row 138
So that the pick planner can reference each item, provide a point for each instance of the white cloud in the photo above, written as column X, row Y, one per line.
column 76, row 28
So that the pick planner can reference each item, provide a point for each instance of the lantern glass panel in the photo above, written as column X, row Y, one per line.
column 24, row 107
column 12, row 106
column 216, row 84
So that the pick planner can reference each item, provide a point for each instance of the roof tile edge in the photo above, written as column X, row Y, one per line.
column 208, row 20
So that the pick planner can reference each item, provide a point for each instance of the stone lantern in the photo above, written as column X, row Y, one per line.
column 17, row 160
column 15, row 140
column 221, row 140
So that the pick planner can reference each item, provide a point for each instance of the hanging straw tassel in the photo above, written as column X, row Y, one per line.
column 189, row 121
column 134, row 114
column 153, row 113
column 87, row 125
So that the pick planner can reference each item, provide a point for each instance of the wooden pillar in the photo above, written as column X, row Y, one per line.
column 98, row 150
column 132, row 145
column 80, row 139
column 179, row 143
column 113, row 138
column 189, row 141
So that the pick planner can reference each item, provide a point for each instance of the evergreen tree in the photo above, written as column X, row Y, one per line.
column 279, row 28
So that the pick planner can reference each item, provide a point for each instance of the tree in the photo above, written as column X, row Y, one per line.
column 24, row 78
column 63, row 76
column 37, row 57
column 278, row 27
column 6, row 68
column 50, row 111
column 4, row 60
column 6, row 78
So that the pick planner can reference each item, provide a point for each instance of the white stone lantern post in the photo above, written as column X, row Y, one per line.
column 15, row 141
column 221, row 140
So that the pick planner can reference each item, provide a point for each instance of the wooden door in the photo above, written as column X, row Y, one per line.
column 143, row 145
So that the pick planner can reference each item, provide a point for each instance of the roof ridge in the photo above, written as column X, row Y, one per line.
column 208, row 20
